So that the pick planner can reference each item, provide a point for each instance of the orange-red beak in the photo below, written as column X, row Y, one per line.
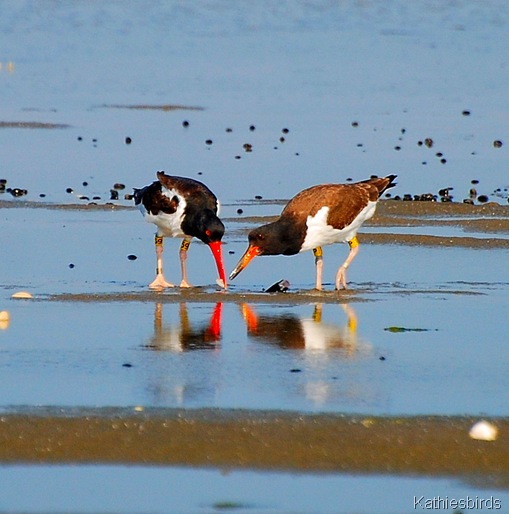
column 215, row 247
column 250, row 254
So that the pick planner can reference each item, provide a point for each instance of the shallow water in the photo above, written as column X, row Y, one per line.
column 140, row 489
column 403, row 72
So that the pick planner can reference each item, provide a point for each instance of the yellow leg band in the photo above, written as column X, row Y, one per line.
column 185, row 245
column 318, row 252
column 158, row 240
column 353, row 243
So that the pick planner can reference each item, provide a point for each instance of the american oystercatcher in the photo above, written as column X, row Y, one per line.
column 318, row 216
column 181, row 207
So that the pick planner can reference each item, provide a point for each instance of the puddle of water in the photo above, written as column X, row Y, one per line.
column 336, row 358
column 143, row 489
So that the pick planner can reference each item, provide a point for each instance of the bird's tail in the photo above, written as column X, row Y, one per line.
column 382, row 183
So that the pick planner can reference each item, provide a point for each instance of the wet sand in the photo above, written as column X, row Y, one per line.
column 268, row 440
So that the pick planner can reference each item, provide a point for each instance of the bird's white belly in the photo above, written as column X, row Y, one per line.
column 319, row 233
column 169, row 225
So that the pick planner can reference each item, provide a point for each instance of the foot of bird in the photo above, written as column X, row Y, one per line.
column 341, row 278
column 160, row 283
column 185, row 283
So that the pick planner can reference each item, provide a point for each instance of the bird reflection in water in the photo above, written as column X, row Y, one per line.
column 323, row 348
column 292, row 332
column 185, row 335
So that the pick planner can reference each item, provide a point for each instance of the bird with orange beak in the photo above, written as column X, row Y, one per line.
column 184, row 208
column 318, row 216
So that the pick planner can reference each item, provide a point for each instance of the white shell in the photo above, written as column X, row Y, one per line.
column 22, row 294
column 483, row 431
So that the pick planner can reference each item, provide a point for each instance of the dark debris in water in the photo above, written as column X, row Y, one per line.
column 405, row 329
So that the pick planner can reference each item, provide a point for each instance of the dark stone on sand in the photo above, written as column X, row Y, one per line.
column 285, row 131
column 428, row 142
column 295, row 370
column 17, row 192
column 85, row 184
column 119, row 186
column 127, row 365
column 466, row 113
column 185, row 123
column 355, row 123
column 482, row 198
column 239, row 211
column 132, row 257
column 252, row 128
column 258, row 197
column 208, row 142
column 497, row 143
column 71, row 266
column 69, row 190
column 128, row 140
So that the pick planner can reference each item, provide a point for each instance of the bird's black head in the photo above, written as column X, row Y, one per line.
column 278, row 238
column 205, row 225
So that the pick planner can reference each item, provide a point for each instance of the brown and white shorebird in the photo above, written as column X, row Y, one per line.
column 185, row 208
column 315, row 217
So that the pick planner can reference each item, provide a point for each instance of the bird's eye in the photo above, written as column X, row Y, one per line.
column 260, row 236
column 208, row 232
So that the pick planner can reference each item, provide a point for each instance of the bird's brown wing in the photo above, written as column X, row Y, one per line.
column 345, row 202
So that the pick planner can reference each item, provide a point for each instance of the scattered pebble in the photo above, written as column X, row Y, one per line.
column 208, row 142
column 127, row 365
column 252, row 128
column 466, row 113
column 239, row 211
column 22, row 295
column 483, row 199
column 185, row 123
column 132, row 257
column 69, row 190
column 285, row 131
column 119, row 186
column 483, row 431
column 497, row 143
column 17, row 192
column 71, row 265
column 355, row 123
column 128, row 140
column 258, row 197
column 295, row 370
column 428, row 142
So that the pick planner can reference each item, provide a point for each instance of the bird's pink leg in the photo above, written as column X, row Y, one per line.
column 318, row 253
column 159, row 282
column 341, row 274
column 184, row 247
